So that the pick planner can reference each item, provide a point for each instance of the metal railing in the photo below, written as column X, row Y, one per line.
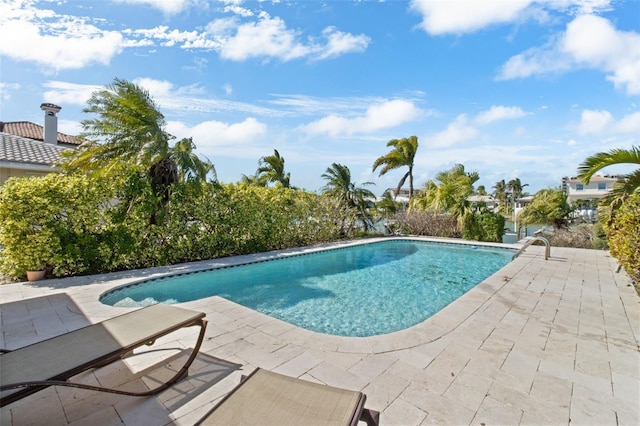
column 547, row 250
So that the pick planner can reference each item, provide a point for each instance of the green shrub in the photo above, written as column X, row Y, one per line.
column 623, row 236
column 52, row 222
column 485, row 226
column 75, row 225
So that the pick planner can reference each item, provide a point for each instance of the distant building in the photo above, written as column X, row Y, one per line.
column 402, row 196
column 585, row 197
column 487, row 200
column 29, row 149
column 598, row 187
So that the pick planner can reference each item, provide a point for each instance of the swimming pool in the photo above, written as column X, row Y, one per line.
column 362, row 290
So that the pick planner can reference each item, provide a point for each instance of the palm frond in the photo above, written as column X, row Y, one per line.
column 599, row 161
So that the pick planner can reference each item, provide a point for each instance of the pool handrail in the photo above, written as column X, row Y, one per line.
column 531, row 240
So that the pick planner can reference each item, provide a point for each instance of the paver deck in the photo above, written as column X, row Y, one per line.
column 539, row 342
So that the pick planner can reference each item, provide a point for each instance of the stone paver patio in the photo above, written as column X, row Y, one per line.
column 539, row 342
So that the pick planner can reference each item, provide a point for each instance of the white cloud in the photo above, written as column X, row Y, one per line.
column 54, row 41
column 234, row 6
column 168, row 7
column 339, row 43
column 380, row 116
column 594, row 42
column 629, row 124
column 466, row 16
column 589, row 42
column 171, row 37
column 217, row 133
column 457, row 131
column 6, row 89
column 499, row 112
column 269, row 37
column 602, row 122
column 61, row 92
column 594, row 121
column 458, row 17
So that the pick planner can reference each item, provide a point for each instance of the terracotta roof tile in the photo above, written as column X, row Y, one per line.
column 30, row 130
column 18, row 149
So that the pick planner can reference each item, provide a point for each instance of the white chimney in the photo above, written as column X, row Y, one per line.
column 50, row 123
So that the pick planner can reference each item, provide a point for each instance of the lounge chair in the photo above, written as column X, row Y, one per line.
column 53, row 362
column 267, row 398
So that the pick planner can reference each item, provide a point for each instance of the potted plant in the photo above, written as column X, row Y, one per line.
column 34, row 255
column 35, row 274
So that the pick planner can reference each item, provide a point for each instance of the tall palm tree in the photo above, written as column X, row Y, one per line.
column 630, row 182
column 515, row 187
column 354, row 198
column 129, row 129
column 548, row 207
column 128, row 132
column 449, row 192
column 190, row 167
column 403, row 154
column 271, row 169
column 500, row 193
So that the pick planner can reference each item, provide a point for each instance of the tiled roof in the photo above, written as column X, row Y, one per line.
column 30, row 130
column 18, row 149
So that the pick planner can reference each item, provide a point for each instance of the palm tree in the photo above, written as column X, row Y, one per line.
column 190, row 167
column 254, row 180
column 354, row 198
column 402, row 154
column 128, row 133
column 515, row 187
column 449, row 192
column 628, row 184
column 548, row 207
column 271, row 169
column 500, row 193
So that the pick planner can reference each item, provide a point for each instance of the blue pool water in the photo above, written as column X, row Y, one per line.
column 365, row 290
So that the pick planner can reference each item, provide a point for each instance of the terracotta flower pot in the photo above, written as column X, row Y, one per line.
column 35, row 275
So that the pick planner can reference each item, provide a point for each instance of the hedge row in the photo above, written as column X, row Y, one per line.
column 72, row 225
column 623, row 236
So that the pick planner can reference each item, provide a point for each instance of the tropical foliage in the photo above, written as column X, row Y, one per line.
column 47, row 222
column 448, row 193
column 486, row 226
column 271, row 170
column 353, row 200
column 629, row 184
column 127, row 135
column 402, row 155
column 623, row 236
column 72, row 226
column 501, row 195
column 548, row 207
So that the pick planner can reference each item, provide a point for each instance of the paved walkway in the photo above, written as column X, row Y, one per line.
column 539, row 342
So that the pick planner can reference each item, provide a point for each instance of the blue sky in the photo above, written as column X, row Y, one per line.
column 510, row 88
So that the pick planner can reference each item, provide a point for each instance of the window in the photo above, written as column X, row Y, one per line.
column 602, row 186
column 579, row 187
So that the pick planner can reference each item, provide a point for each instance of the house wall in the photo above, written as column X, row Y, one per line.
column 589, row 192
column 6, row 173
